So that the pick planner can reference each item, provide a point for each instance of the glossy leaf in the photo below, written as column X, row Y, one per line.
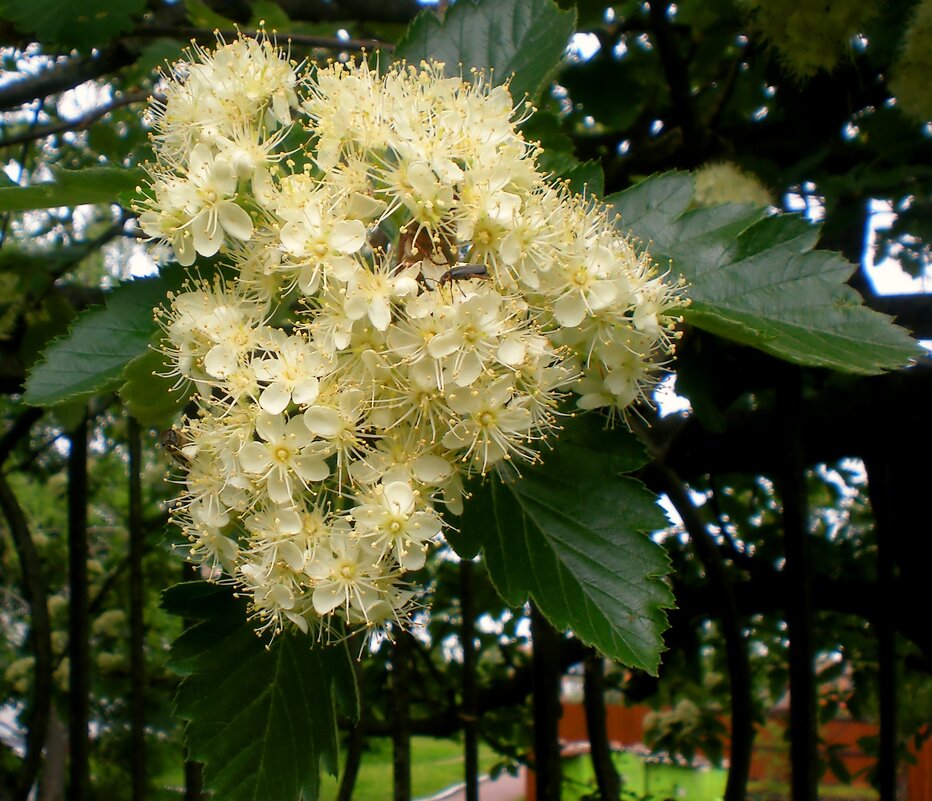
column 573, row 535
column 524, row 38
column 756, row 279
column 91, row 357
column 73, row 23
column 262, row 718
column 148, row 395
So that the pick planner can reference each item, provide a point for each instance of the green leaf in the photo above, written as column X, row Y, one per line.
column 72, row 188
column 91, row 357
column 264, row 11
column 756, row 279
column 83, row 24
column 261, row 718
column 148, row 395
column 586, row 177
column 203, row 16
column 572, row 534
column 525, row 38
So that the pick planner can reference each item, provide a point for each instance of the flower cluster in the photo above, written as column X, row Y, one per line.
column 909, row 78
column 725, row 182
column 405, row 300
column 808, row 37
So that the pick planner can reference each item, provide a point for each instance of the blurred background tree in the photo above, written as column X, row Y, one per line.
column 800, row 550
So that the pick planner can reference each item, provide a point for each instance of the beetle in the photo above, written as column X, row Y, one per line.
column 463, row 272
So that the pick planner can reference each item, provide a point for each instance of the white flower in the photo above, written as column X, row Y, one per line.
column 291, row 371
column 288, row 451
column 390, row 518
column 347, row 575
column 493, row 426
column 407, row 299
column 322, row 242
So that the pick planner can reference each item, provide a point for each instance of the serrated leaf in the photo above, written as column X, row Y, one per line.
column 72, row 188
column 91, row 357
column 756, row 279
column 572, row 534
column 261, row 719
column 524, row 38
column 148, row 395
column 84, row 24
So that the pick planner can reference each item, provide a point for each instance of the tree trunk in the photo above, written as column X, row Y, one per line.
column 547, row 675
column 52, row 781
column 137, row 657
column 354, row 748
column 803, row 720
column 469, row 707
column 356, row 743
column 193, row 781
column 886, row 511
column 600, row 749
column 78, row 646
column 36, row 596
column 401, row 717
column 736, row 649
column 193, row 771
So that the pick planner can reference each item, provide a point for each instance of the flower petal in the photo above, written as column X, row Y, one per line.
column 323, row 421
column 220, row 361
column 310, row 468
column 254, row 457
column 348, row 236
column 328, row 597
column 235, row 220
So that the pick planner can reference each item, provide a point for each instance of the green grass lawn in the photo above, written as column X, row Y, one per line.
column 640, row 779
column 435, row 765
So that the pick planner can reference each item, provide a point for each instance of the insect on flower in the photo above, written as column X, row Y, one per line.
column 172, row 440
column 463, row 272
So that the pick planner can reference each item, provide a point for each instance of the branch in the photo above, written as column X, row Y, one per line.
column 399, row 11
column 63, row 76
column 674, row 68
column 736, row 649
column 211, row 34
column 79, row 123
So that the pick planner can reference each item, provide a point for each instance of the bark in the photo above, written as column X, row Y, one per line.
column 546, row 702
column 401, row 717
column 52, row 781
column 600, row 749
column 354, row 748
column 725, row 607
column 193, row 771
column 40, row 637
column 469, row 706
column 355, row 744
column 803, row 716
column 193, row 781
column 137, row 658
column 78, row 646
